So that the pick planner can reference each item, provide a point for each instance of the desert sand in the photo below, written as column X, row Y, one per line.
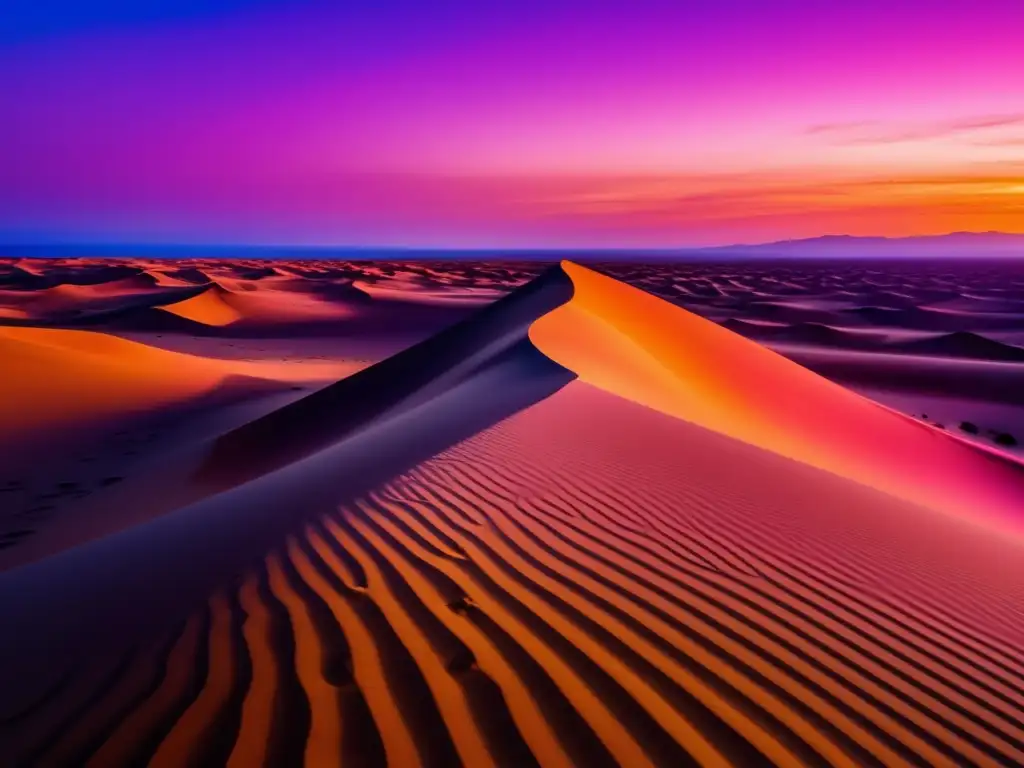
column 342, row 514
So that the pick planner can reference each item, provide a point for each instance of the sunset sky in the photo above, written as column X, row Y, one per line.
column 525, row 123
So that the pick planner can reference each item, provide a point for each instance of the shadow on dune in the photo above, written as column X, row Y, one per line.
column 493, row 337
column 964, row 344
column 265, row 479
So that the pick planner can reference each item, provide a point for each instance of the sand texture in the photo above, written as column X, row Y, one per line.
column 576, row 525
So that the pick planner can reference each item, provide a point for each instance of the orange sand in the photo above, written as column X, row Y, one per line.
column 209, row 308
column 60, row 377
column 644, row 349
column 54, row 376
column 220, row 306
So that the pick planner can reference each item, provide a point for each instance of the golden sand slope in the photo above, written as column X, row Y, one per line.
column 647, row 350
column 56, row 377
column 208, row 308
column 565, row 591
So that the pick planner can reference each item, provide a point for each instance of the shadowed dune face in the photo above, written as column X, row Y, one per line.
column 495, row 339
column 698, row 554
column 644, row 349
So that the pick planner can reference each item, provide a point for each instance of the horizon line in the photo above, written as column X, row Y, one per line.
column 77, row 245
column 125, row 249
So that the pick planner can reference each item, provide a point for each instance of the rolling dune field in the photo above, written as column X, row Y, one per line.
column 412, row 515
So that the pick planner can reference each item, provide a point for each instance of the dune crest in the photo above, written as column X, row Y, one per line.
column 645, row 349
column 208, row 308
column 493, row 340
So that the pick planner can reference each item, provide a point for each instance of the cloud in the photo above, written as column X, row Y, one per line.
column 886, row 132
column 763, row 211
column 1000, row 141
column 881, row 204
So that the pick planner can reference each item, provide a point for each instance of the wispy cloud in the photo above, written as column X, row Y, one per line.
column 1000, row 141
column 886, row 132
column 785, row 203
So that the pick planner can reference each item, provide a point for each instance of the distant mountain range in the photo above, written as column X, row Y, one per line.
column 954, row 245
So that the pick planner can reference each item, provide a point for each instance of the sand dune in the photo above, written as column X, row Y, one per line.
column 189, row 275
column 221, row 306
column 495, row 335
column 792, row 312
column 927, row 319
column 416, row 292
column 151, row 297
column 54, row 377
column 635, row 345
column 964, row 344
column 33, row 274
column 1012, row 305
column 208, row 308
column 700, row 554
column 13, row 313
column 22, row 277
column 71, row 303
column 805, row 333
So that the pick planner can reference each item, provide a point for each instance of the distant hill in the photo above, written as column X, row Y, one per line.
column 952, row 245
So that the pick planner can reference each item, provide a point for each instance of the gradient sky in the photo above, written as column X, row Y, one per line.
column 525, row 123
